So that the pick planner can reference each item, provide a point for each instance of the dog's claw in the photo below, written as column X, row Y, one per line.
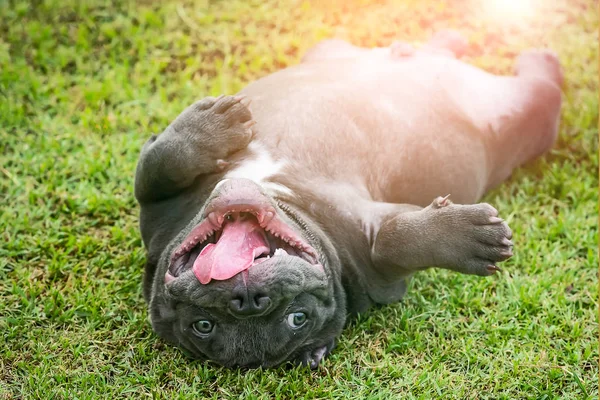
column 248, row 126
column 493, row 269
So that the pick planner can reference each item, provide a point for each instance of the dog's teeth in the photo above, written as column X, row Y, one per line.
column 280, row 252
column 215, row 220
column 310, row 258
column 267, row 217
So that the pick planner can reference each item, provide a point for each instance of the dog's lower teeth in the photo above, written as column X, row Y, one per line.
column 280, row 252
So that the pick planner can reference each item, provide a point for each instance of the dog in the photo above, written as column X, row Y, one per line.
column 272, row 216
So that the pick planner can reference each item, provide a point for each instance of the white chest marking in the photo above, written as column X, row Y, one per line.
column 259, row 168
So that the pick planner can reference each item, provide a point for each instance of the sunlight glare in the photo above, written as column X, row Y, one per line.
column 511, row 9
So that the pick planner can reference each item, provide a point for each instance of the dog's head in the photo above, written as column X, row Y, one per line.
column 248, row 283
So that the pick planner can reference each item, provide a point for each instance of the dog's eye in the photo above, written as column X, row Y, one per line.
column 203, row 327
column 296, row 320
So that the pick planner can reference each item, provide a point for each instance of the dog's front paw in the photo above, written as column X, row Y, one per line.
column 473, row 237
column 216, row 127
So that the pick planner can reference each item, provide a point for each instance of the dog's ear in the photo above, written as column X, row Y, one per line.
column 149, row 271
column 312, row 357
column 163, row 317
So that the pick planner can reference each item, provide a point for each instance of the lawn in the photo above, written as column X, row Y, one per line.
column 84, row 83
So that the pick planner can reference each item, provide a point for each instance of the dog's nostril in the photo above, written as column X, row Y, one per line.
column 261, row 301
column 247, row 304
column 237, row 304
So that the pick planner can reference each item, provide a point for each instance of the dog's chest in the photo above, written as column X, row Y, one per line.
column 287, row 177
column 261, row 166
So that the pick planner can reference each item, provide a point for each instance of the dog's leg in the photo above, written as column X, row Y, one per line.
column 196, row 143
column 524, row 116
column 465, row 238
column 445, row 42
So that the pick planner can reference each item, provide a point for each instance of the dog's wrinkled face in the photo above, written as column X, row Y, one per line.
column 247, row 284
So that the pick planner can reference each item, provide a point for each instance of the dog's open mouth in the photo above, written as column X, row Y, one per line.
column 233, row 239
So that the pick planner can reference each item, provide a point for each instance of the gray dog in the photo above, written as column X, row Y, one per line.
column 266, row 229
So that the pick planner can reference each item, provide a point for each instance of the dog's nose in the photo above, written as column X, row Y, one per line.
column 247, row 302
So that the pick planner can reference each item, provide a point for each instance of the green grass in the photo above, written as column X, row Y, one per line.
column 84, row 83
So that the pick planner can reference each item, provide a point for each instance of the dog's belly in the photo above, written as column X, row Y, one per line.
column 390, row 129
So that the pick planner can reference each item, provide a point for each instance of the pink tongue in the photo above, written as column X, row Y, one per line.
column 234, row 252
